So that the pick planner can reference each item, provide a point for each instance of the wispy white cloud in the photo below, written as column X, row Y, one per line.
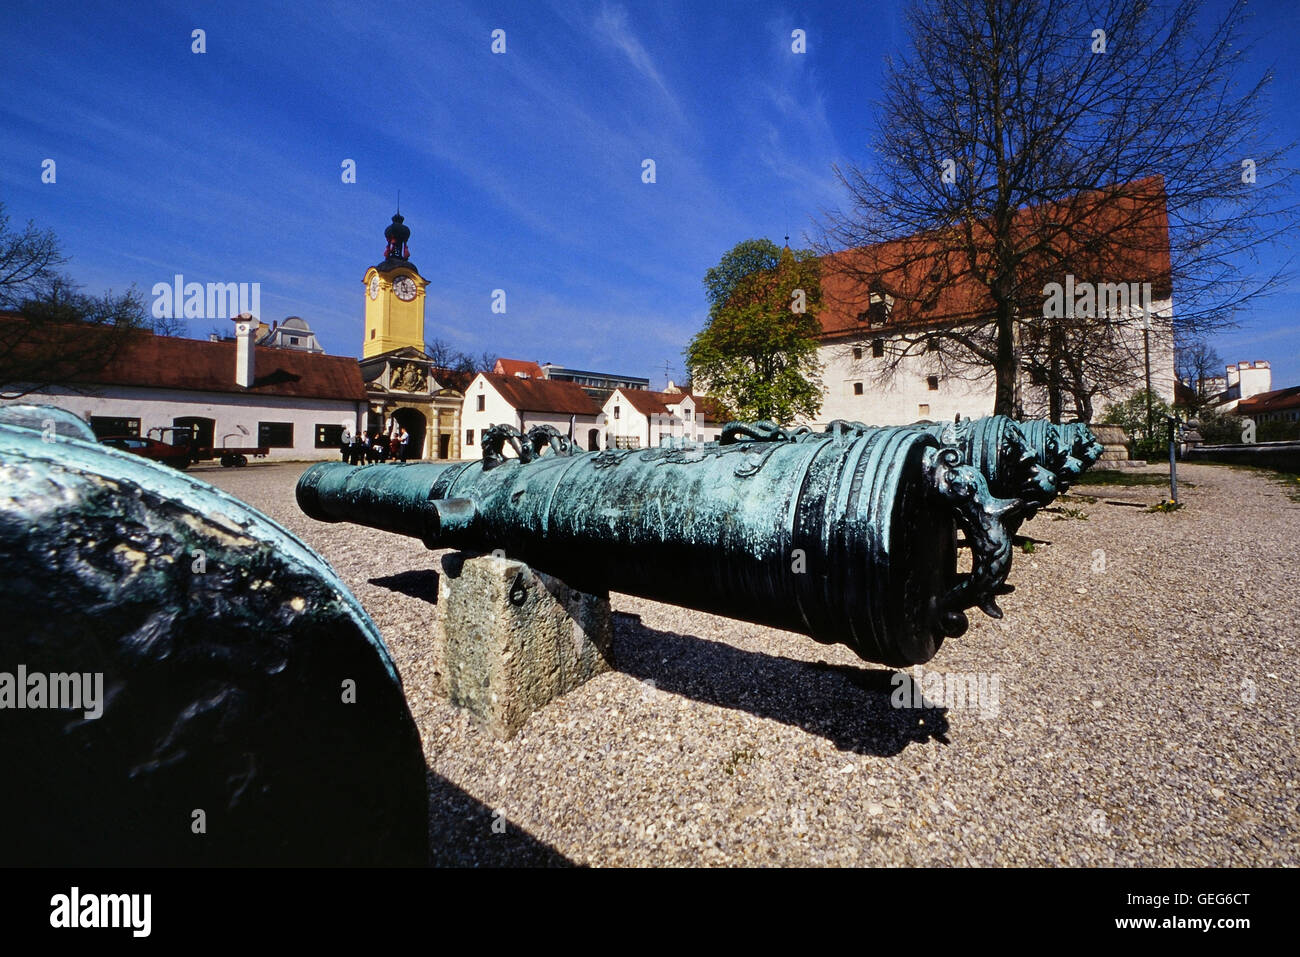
column 611, row 26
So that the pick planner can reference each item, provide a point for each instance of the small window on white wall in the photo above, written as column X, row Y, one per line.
column 923, row 410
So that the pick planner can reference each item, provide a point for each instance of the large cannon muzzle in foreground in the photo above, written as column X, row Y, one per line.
column 850, row 540
column 184, row 682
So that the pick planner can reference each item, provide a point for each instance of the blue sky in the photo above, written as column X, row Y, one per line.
column 519, row 171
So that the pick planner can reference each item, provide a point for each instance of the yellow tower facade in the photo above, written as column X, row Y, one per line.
column 394, row 297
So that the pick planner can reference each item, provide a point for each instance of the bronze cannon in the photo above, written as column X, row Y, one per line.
column 849, row 539
column 182, row 681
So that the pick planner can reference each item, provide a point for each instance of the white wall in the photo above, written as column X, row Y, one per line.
column 1254, row 377
column 497, row 411
column 158, row 407
column 630, row 422
column 901, row 401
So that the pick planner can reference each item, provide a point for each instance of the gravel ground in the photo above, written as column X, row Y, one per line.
column 1145, row 713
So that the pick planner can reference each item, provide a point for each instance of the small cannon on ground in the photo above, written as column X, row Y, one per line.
column 847, row 538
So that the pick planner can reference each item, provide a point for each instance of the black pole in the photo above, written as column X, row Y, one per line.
column 1146, row 350
column 1173, row 466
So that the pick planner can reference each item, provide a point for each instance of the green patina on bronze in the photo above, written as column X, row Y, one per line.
column 47, row 419
column 994, row 446
column 224, row 644
column 849, row 539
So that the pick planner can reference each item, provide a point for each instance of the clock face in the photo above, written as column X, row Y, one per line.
column 374, row 287
column 405, row 288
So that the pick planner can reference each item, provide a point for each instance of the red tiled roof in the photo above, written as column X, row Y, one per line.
column 1274, row 401
column 543, row 395
column 657, row 403
column 452, row 379
column 709, row 409
column 649, row 403
column 515, row 367
column 1124, row 238
column 145, row 360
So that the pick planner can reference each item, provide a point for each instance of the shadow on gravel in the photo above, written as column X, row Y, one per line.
column 461, row 834
column 847, row 705
column 421, row 584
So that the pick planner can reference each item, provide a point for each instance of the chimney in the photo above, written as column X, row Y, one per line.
column 244, row 361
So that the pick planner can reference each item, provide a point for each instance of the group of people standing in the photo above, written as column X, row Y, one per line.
column 375, row 446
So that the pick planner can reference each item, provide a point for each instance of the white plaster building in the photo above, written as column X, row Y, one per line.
column 492, row 399
column 641, row 419
column 296, row 403
column 1243, row 380
column 865, row 322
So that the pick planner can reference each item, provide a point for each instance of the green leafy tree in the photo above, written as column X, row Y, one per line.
column 1131, row 416
column 1220, row 428
column 758, row 354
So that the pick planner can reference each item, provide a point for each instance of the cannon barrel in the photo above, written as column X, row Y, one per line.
column 166, row 647
column 47, row 419
column 996, row 447
column 847, row 539
column 1054, row 450
column 1083, row 443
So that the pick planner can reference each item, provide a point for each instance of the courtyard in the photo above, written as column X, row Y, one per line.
column 1137, row 706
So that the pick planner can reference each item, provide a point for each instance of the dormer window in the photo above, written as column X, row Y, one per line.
column 880, row 305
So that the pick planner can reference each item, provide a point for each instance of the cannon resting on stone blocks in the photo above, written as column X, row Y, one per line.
column 182, row 681
column 847, row 538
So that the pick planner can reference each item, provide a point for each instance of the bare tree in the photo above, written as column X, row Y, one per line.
column 168, row 325
column 441, row 353
column 28, row 260
column 54, row 333
column 1023, row 140
column 1196, row 363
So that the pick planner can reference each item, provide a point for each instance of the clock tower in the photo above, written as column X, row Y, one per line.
column 394, row 297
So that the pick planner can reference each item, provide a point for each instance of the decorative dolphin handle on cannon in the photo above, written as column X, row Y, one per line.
column 848, row 539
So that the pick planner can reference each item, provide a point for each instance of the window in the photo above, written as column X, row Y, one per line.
column 275, row 435
column 293, row 340
column 482, row 403
column 469, row 436
column 372, row 333
column 879, row 305
column 932, row 345
column 686, row 414
column 108, row 425
column 923, row 410
column 932, row 382
column 329, row 436
column 857, row 388
column 878, row 348
column 616, row 412
column 857, row 352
